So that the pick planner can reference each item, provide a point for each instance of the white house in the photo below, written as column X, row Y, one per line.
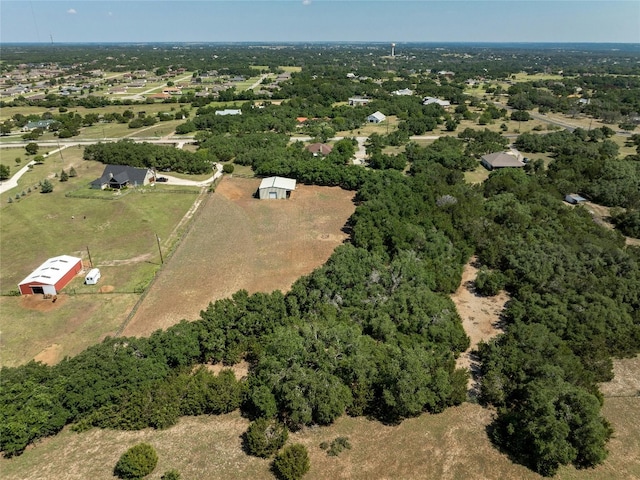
column 430, row 100
column 229, row 111
column 403, row 92
column 376, row 117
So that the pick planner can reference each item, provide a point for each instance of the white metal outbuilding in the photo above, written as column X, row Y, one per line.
column 276, row 188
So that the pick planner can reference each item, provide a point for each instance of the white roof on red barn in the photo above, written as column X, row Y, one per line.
column 51, row 271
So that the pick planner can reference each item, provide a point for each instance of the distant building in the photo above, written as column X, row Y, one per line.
column 229, row 111
column 276, row 188
column 496, row 160
column 52, row 276
column 574, row 199
column 43, row 124
column 358, row 101
column 403, row 92
column 430, row 100
column 376, row 117
column 120, row 176
column 319, row 149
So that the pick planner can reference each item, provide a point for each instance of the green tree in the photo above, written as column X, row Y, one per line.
column 171, row 475
column 228, row 168
column 4, row 172
column 72, row 172
column 64, row 176
column 46, row 186
column 31, row 148
column 264, row 437
column 137, row 462
column 292, row 463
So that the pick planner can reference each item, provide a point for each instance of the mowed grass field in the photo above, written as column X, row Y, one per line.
column 451, row 445
column 120, row 235
column 240, row 242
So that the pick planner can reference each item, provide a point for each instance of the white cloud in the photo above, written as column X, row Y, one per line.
column 72, row 11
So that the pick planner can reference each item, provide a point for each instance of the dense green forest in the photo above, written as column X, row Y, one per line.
column 373, row 331
column 147, row 155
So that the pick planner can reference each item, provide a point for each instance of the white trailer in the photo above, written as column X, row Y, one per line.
column 92, row 277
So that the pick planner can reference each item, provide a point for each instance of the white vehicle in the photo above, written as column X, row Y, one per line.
column 92, row 277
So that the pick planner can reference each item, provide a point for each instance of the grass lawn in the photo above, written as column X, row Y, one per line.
column 36, row 328
column 450, row 445
column 479, row 175
column 120, row 235
column 56, row 224
column 8, row 157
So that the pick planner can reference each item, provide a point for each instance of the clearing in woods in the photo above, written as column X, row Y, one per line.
column 239, row 242
column 480, row 317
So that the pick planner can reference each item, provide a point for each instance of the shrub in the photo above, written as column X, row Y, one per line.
column 64, row 176
column 264, row 437
column 292, row 463
column 489, row 283
column 72, row 172
column 228, row 168
column 137, row 462
column 338, row 445
column 171, row 475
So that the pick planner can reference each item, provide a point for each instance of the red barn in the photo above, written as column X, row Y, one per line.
column 51, row 276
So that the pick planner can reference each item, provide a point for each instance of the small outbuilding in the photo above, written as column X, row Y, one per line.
column 52, row 276
column 92, row 277
column 496, row 160
column 376, row 117
column 574, row 199
column 276, row 188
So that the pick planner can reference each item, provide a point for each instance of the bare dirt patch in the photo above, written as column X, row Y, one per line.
column 626, row 379
column 239, row 242
column 480, row 317
column 107, row 289
column 240, row 370
column 41, row 304
column 50, row 355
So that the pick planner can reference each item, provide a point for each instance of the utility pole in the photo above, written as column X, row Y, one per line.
column 159, row 249
column 90, row 261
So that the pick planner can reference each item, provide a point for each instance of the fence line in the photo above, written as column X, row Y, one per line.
column 204, row 191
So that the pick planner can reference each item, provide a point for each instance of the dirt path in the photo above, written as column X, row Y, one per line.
column 602, row 215
column 480, row 318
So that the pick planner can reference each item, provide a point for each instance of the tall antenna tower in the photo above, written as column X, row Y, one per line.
column 393, row 49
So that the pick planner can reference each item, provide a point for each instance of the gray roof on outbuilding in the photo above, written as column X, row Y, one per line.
column 278, row 182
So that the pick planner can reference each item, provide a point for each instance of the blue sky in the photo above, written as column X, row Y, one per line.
column 320, row 20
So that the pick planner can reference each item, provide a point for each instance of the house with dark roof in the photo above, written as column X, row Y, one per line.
column 120, row 176
column 319, row 149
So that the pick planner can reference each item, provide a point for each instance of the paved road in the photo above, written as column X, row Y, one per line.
column 13, row 181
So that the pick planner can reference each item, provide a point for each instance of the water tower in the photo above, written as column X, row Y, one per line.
column 393, row 49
